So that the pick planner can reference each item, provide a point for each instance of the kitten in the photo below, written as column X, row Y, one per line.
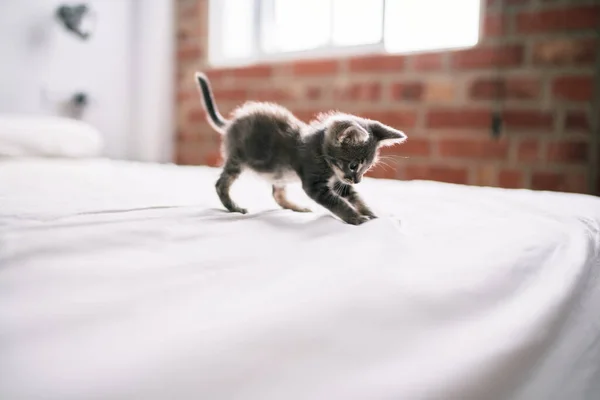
column 327, row 156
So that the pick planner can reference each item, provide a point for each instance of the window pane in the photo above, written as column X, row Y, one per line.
column 237, row 28
column 413, row 25
column 357, row 22
column 301, row 24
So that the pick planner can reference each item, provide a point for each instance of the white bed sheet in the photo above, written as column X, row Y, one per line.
column 127, row 281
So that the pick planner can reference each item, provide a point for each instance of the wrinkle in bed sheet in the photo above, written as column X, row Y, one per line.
column 129, row 281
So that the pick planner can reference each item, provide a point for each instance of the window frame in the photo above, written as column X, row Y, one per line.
column 263, row 22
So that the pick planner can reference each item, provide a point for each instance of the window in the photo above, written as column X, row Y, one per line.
column 248, row 31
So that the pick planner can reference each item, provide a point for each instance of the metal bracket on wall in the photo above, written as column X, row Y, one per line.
column 74, row 17
column 496, row 123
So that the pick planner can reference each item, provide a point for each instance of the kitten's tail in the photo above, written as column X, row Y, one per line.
column 215, row 119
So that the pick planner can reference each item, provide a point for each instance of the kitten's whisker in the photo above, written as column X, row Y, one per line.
column 386, row 165
column 389, row 157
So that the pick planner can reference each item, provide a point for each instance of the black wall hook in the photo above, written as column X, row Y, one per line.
column 72, row 16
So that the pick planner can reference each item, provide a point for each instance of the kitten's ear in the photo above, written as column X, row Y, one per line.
column 350, row 134
column 386, row 135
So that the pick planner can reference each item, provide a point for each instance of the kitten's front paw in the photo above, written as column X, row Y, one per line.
column 357, row 220
column 369, row 215
column 240, row 210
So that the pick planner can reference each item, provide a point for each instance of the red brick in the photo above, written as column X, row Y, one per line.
column 306, row 115
column 577, row 183
column 255, row 71
column 231, row 94
column 411, row 147
column 407, row 91
column 529, row 150
column 565, row 51
column 493, row 25
column 510, row 179
column 485, row 174
column 185, row 95
column 271, row 94
column 508, row 2
column 528, row 119
column 440, row 91
column 573, row 88
column 241, row 73
column 313, row 93
column 458, row 118
column 199, row 132
column 561, row 182
column 189, row 52
column 188, row 9
column 577, row 121
column 212, row 159
column 488, row 57
column 196, row 115
column 436, row 173
column 401, row 119
column 509, row 88
column 568, row 152
column 315, row 67
column 181, row 76
column 559, row 19
column 547, row 181
column 187, row 134
column 361, row 91
column 473, row 148
column 189, row 32
column 227, row 108
column 188, row 153
column 427, row 62
column 376, row 63
column 217, row 74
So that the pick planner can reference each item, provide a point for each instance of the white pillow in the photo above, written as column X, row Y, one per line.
column 48, row 136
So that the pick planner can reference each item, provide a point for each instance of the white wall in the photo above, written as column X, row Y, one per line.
column 42, row 65
column 154, row 75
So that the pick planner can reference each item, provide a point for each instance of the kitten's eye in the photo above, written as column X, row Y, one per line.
column 353, row 166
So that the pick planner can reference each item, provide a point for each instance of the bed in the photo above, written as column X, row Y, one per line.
column 126, row 280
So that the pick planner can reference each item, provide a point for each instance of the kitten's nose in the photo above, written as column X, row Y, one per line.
column 356, row 178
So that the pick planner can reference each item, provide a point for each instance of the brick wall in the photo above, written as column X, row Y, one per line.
column 537, row 56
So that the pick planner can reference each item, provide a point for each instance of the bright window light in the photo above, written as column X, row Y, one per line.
column 419, row 25
column 301, row 25
column 246, row 31
column 236, row 32
column 357, row 22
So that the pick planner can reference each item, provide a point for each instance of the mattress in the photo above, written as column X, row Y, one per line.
column 123, row 280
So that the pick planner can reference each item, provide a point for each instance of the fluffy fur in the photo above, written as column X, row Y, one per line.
column 327, row 156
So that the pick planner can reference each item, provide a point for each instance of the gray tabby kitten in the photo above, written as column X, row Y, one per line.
column 327, row 156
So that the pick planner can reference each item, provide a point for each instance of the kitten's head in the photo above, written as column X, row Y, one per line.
column 352, row 144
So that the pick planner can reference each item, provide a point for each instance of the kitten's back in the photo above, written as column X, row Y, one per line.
column 253, row 108
column 263, row 135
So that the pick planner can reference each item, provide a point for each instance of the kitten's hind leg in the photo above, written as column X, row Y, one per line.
column 279, row 194
column 230, row 173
